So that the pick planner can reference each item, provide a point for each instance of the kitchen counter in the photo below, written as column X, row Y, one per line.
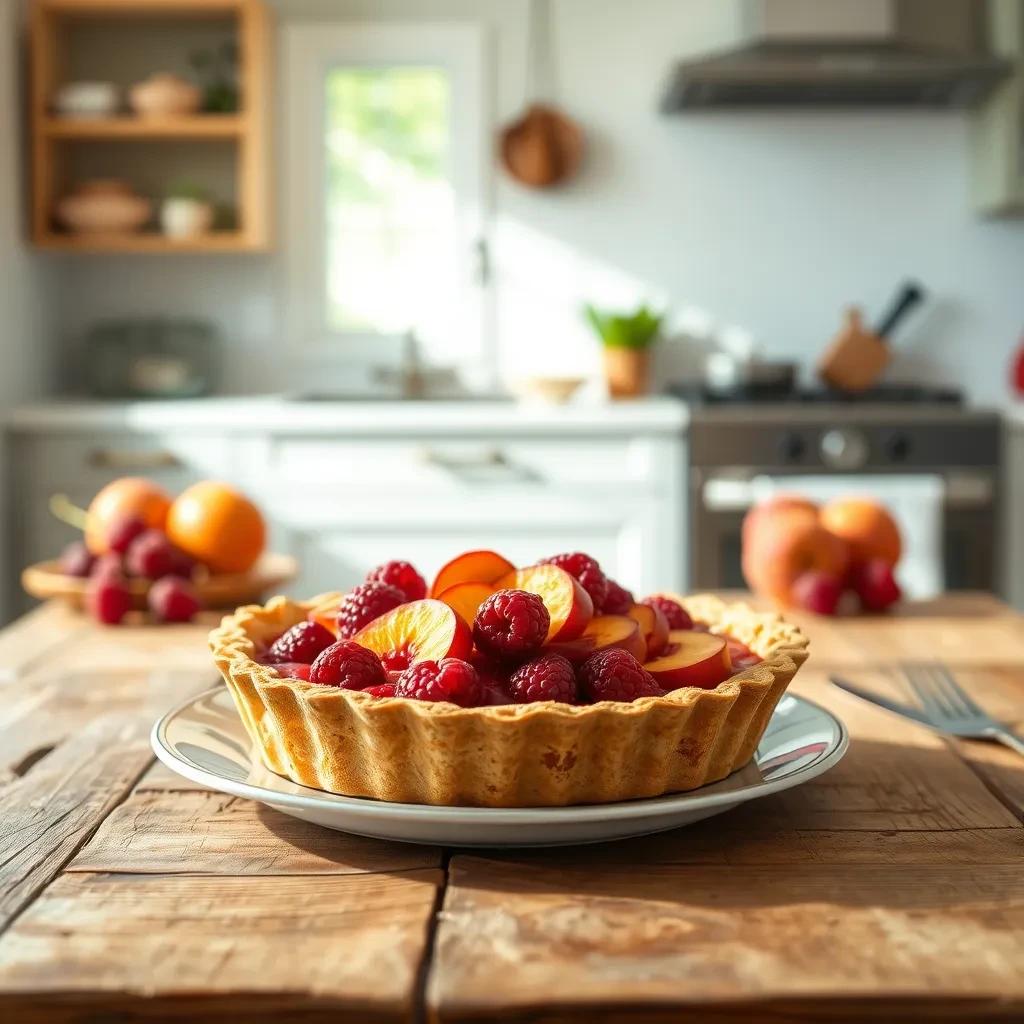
column 888, row 888
column 278, row 415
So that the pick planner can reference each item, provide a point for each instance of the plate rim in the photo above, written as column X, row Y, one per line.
column 446, row 813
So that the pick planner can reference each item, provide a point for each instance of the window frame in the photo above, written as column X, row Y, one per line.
column 310, row 51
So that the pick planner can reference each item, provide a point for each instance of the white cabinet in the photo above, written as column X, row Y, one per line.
column 343, row 505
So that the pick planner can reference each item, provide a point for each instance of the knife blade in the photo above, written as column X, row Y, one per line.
column 883, row 702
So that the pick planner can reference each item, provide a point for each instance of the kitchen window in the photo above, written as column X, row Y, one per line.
column 385, row 187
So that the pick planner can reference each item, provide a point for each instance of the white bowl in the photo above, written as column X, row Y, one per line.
column 87, row 99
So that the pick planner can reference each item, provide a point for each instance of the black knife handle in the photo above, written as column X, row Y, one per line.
column 909, row 296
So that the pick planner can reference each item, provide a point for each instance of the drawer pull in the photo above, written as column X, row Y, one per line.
column 487, row 461
column 123, row 459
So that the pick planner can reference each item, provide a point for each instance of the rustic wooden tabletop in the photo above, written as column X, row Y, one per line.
column 889, row 887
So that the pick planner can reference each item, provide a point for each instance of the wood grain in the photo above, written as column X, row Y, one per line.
column 331, row 947
column 47, row 815
column 34, row 636
column 692, row 936
column 212, row 833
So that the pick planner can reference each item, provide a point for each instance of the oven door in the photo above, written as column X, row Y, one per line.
column 963, row 548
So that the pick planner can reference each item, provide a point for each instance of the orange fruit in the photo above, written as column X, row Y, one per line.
column 866, row 526
column 129, row 496
column 217, row 526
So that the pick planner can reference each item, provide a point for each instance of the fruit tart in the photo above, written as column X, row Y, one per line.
column 499, row 686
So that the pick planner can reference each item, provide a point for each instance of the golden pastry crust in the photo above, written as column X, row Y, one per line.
column 521, row 755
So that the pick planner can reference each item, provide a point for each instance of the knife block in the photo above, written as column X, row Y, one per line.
column 855, row 358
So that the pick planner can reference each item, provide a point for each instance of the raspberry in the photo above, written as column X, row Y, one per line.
column 615, row 674
column 108, row 565
column 152, row 555
column 450, row 679
column 302, row 643
column 364, row 603
column 108, row 598
column 292, row 670
column 546, row 678
column 172, row 599
column 511, row 624
column 678, row 617
column 349, row 666
column 586, row 570
column 617, row 601
column 401, row 575
column 122, row 531
column 76, row 560
column 384, row 690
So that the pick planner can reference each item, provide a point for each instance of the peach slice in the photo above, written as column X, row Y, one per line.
column 740, row 654
column 568, row 604
column 653, row 626
column 424, row 630
column 466, row 598
column 691, row 659
column 326, row 614
column 471, row 567
column 602, row 632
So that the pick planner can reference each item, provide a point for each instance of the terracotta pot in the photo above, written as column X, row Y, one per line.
column 626, row 370
column 164, row 95
column 105, row 206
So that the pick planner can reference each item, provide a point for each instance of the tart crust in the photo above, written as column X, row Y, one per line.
column 521, row 755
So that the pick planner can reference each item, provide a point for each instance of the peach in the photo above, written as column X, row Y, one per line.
column 602, row 632
column 568, row 604
column 471, row 567
column 426, row 630
column 866, row 526
column 653, row 626
column 691, row 659
column 129, row 496
column 785, row 547
column 466, row 598
column 740, row 654
column 779, row 503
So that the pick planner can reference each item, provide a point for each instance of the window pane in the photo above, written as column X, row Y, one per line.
column 390, row 216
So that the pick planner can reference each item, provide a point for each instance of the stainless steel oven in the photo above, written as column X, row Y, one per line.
column 738, row 451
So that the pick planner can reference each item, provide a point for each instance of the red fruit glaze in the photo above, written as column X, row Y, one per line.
column 876, row 585
column 384, row 690
column 77, row 560
column 173, row 599
column 363, row 604
column 617, row 600
column 550, row 677
column 108, row 598
column 449, row 680
column 511, row 624
column 349, row 666
column 123, row 531
column 615, row 674
column 402, row 575
column 586, row 570
column 303, row 642
column 292, row 670
column 678, row 617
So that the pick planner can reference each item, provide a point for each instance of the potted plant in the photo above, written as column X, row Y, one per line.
column 627, row 341
column 186, row 211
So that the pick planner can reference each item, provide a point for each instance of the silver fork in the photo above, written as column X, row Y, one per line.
column 947, row 706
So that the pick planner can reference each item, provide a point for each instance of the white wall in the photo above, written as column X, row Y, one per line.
column 773, row 221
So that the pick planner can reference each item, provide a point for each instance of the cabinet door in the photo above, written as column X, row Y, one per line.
column 623, row 535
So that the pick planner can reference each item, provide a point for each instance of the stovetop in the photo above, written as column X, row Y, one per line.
column 888, row 394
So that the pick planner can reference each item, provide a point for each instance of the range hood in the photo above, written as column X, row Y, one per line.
column 845, row 53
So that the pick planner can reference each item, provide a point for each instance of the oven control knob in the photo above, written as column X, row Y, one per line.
column 897, row 447
column 792, row 448
column 844, row 449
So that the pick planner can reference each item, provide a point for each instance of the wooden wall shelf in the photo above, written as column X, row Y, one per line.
column 55, row 138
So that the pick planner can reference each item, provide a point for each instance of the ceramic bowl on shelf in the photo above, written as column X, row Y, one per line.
column 549, row 390
column 164, row 95
column 87, row 99
column 104, row 206
column 184, row 217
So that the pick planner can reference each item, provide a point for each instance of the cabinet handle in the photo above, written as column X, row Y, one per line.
column 124, row 459
column 489, row 459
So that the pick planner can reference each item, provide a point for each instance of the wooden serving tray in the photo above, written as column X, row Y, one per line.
column 44, row 580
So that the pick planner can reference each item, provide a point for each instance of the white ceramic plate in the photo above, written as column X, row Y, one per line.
column 204, row 740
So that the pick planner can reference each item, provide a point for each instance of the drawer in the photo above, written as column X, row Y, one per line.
column 445, row 464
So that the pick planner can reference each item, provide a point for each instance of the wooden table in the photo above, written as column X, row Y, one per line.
column 892, row 886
